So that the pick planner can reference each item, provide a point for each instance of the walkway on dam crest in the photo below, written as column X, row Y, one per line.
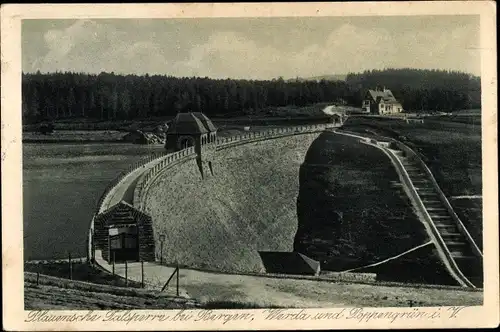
column 124, row 191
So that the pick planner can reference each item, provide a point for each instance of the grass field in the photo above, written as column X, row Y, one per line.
column 75, row 136
column 352, row 212
column 452, row 150
column 93, row 129
column 239, row 292
column 81, row 271
column 52, row 293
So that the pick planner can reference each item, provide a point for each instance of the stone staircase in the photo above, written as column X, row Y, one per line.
column 456, row 242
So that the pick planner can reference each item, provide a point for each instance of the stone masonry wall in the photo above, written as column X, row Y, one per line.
column 222, row 221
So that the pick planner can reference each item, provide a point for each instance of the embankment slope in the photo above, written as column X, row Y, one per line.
column 221, row 222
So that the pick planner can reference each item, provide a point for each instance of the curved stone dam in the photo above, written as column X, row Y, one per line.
column 222, row 221
column 302, row 194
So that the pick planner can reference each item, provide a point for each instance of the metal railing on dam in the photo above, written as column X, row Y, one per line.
column 178, row 157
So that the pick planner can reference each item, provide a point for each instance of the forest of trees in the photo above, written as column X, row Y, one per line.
column 123, row 97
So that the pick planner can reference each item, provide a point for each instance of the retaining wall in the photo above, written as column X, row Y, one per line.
column 166, row 161
column 221, row 222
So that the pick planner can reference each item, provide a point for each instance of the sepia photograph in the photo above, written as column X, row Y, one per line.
column 202, row 166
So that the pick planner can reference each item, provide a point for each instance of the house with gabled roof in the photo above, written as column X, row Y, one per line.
column 381, row 101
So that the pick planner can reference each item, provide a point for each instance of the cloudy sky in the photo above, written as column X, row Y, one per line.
column 256, row 48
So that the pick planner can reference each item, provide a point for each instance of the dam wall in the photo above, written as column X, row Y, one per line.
column 221, row 222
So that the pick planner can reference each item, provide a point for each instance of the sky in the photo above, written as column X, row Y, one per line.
column 252, row 48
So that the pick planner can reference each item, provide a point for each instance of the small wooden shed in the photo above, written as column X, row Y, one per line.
column 124, row 233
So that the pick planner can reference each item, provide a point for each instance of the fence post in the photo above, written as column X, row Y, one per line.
column 142, row 274
column 177, row 279
column 126, row 273
column 162, row 239
column 114, row 253
column 70, row 267
column 37, row 277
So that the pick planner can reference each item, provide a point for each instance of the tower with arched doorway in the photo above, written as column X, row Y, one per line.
column 197, row 130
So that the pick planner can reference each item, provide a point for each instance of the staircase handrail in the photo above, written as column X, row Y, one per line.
column 441, row 195
column 443, row 250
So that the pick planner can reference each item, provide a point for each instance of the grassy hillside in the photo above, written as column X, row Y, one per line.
column 233, row 291
column 75, row 136
column 52, row 293
column 249, row 205
column 81, row 271
column 452, row 150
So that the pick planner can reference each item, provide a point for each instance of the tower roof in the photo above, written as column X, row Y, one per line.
column 187, row 123
column 206, row 121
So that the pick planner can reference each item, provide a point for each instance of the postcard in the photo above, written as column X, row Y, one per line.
column 257, row 166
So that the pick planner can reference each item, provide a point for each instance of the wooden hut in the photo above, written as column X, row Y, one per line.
column 124, row 233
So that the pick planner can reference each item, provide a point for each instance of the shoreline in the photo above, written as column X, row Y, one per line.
column 57, row 141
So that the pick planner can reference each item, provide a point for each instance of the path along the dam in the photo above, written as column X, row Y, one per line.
column 265, row 291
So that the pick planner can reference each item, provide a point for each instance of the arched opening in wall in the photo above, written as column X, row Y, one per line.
column 185, row 142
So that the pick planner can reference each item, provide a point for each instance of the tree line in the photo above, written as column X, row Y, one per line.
column 108, row 96
column 422, row 89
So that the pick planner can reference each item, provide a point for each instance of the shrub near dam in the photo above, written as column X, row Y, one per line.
column 222, row 221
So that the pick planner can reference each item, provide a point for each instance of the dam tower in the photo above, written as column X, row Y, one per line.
column 194, row 129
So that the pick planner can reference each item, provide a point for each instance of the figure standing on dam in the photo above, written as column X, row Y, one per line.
column 194, row 129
